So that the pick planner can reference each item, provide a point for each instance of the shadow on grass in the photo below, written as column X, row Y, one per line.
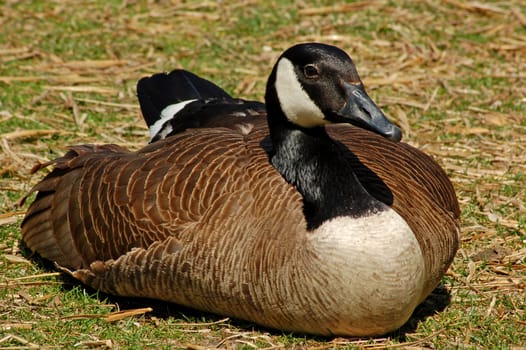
column 436, row 302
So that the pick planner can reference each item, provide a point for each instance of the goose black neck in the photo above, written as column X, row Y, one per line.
column 319, row 169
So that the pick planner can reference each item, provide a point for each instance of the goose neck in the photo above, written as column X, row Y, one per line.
column 317, row 166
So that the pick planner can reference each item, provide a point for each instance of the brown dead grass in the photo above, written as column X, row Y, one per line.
column 450, row 72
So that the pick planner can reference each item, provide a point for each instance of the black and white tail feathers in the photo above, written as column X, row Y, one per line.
column 164, row 89
column 172, row 102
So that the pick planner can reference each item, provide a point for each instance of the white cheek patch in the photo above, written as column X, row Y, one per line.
column 295, row 103
column 167, row 114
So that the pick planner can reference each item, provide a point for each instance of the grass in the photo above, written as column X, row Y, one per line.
column 450, row 72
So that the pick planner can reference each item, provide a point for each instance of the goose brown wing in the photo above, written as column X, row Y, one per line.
column 100, row 202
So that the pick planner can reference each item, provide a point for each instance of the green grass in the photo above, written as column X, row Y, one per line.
column 473, row 125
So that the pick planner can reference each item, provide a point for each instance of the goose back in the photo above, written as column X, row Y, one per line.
column 102, row 201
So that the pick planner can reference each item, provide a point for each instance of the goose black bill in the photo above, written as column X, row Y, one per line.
column 360, row 110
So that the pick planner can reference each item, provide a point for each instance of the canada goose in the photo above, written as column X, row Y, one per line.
column 285, row 232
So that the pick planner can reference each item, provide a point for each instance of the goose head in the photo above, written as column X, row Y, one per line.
column 314, row 84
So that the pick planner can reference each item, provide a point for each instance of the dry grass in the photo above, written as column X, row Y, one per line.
column 450, row 72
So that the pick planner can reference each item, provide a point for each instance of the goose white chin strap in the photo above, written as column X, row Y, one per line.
column 295, row 103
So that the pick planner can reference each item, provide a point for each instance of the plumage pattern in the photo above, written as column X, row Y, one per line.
column 203, row 219
column 127, row 223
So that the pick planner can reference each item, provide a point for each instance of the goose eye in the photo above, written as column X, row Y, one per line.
column 311, row 71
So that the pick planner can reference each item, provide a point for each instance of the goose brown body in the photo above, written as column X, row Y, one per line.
column 203, row 219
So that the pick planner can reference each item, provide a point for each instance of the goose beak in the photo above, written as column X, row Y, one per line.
column 361, row 111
